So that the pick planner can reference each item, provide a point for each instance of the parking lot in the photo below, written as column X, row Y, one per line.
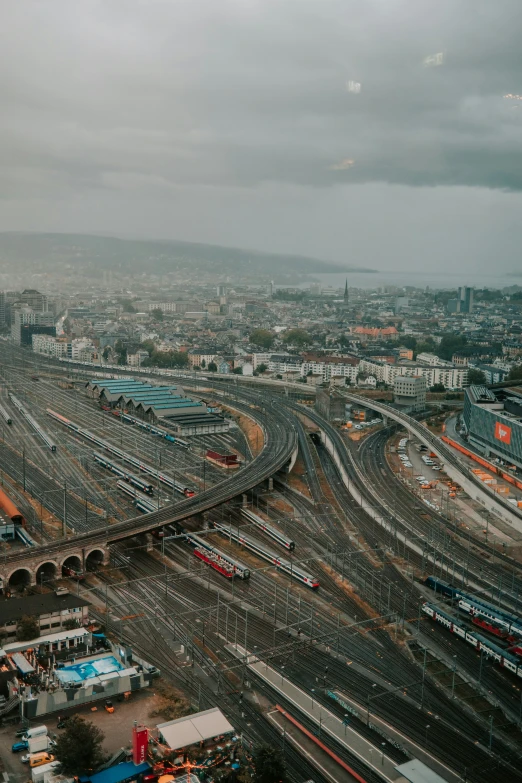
column 117, row 728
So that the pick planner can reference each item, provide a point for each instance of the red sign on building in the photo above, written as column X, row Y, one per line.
column 140, row 743
column 503, row 432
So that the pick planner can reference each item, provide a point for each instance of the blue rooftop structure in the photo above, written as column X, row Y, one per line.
column 120, row 773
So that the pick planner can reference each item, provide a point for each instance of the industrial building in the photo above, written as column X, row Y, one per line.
column 330, row 405
column 167, row 405
column 493, row 422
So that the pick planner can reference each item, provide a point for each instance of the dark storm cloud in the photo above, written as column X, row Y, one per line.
column 120, row 94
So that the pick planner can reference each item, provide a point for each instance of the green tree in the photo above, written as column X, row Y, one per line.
column 269, row 765
column 238, row 371
column 121, row 350
column 297, row 337
column 28, row 628
column 261, row 368
column 167, row 359
column 438, row 387
column 409, row 341
column 449, row 344
column 203, row 363
column 476, row 377
column 70, row 624
column 79, row 747
column 106, row 352
column 289, row 296
column 262, row 338
column 157, row 314
column 212, row 367
column 515, row 374
column 148, row 345
column 127, row 306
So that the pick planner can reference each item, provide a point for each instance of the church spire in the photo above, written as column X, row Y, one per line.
column 346, row 292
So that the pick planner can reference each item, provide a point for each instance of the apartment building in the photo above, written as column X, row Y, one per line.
column 50, row 346
column 331, row 367
column 450, row 377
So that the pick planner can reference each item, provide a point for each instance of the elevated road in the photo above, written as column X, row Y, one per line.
column 453, row 464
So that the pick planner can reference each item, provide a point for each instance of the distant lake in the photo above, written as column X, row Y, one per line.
column 417, row 279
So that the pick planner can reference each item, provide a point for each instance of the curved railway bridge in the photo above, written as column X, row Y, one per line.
column 280, row 447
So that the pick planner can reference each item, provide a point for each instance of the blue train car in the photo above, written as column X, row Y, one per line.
column 440, row 586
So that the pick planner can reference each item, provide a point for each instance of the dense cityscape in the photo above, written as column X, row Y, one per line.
column 163, row 445
column 260, row 392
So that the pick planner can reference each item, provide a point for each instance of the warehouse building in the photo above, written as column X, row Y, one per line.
column 493, row 422
column 167, row 405
column 185, row 424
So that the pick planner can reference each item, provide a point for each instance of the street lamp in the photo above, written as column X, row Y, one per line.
column 426, row 737
column 313, row 691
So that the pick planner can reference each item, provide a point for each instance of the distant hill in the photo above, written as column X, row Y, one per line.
column 45, row 252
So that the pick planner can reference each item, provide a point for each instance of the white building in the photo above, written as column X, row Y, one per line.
column 432, row 360
column 331, row 367
column 80, row 346
column 450, row 377
column 50, row 346
column 285, row 363
column 409, row 391
column 165, row 307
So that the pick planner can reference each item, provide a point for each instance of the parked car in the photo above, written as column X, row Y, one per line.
column 37, row 759
column 17, row 747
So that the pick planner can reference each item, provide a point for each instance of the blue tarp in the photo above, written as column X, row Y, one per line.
column 117, row 774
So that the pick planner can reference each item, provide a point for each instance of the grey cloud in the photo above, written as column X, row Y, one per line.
column 245, row 92
column 171, row 117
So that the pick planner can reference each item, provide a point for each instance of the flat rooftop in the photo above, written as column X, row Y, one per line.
column 12, row 609
column 196, row 728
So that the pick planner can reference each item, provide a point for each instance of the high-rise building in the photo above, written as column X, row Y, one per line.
column 465, row 297
column 3, row 319
column 463, row 303
column 26, row 322
column 35, row 300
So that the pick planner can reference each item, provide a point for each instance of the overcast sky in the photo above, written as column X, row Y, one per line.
column 231, row 121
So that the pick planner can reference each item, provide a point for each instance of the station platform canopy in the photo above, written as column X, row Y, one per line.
column 416, row 771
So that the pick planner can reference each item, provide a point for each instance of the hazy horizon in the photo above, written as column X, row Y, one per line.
column 242, row 124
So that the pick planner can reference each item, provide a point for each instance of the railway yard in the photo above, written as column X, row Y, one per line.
column 388, row 612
